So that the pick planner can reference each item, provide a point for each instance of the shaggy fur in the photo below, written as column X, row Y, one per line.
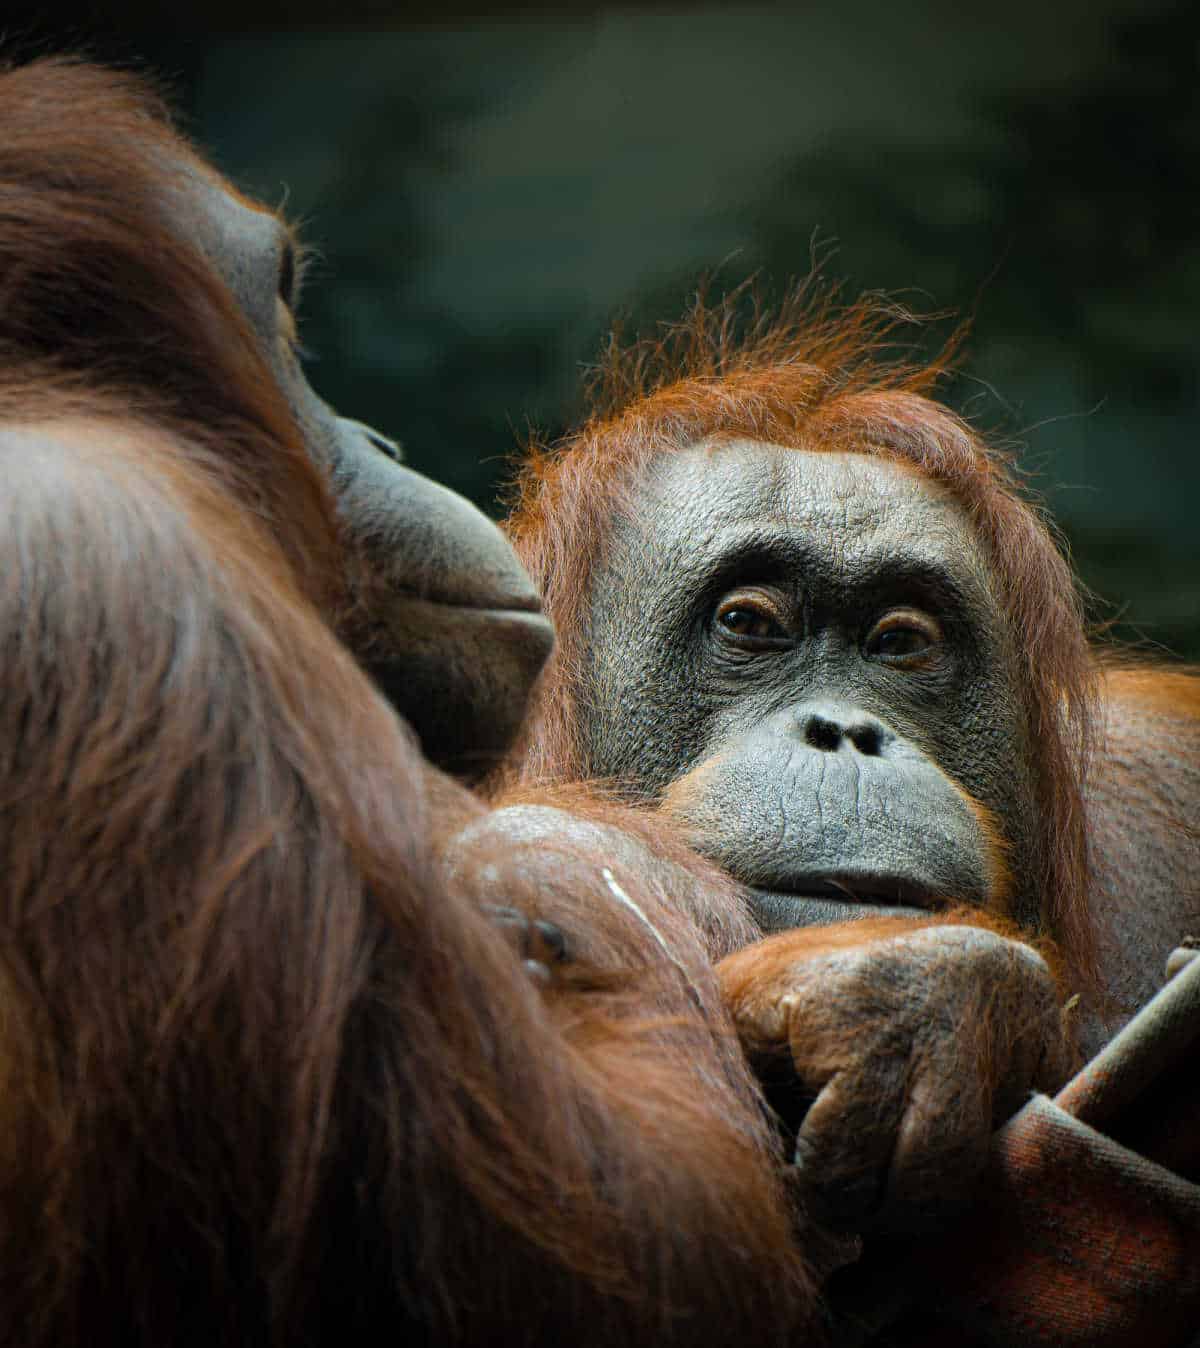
column 811, row 377
column 270, row 1072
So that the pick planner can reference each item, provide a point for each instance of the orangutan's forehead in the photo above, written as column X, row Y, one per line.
column 826, row 518
column 750, row 479
column 243, row 240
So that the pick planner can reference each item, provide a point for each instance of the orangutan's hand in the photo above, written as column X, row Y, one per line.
column 913, row 1042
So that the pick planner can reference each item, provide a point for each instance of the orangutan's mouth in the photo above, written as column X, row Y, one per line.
column 809, row 900
column 884, row 891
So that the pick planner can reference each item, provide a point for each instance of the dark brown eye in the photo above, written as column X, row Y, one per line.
column 904, row 637
column 749, row 620
column 293, row 262
column 287, row 275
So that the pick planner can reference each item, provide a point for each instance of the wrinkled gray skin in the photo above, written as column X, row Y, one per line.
column 451, row 626
column 821, row 770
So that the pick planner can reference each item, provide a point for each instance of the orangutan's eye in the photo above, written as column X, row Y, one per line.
column 293, row 263
column 287, row 274
column 750, row 619
column 904, row 637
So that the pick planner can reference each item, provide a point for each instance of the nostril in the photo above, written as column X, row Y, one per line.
column 822, row 733
column 386, row 446
column 867, row 738
column 374, row 438
column 830, row 730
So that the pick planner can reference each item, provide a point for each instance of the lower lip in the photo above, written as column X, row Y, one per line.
column 777, row 911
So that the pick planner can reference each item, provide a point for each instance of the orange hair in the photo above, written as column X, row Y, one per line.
column 814, row 375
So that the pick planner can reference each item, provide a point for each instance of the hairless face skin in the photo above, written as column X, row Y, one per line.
column 445, row 619
column 801, row 652
column 804, row 657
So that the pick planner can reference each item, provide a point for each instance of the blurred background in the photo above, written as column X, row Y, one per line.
column 488, row 186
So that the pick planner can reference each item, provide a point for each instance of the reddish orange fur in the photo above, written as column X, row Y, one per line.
column 1143, row 801
column 813, row 942
column 1164, row 691
column 268, row 1074
column 1149, row 753
column 811, row 378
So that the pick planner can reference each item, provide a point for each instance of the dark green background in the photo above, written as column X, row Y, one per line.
column 487, row 188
